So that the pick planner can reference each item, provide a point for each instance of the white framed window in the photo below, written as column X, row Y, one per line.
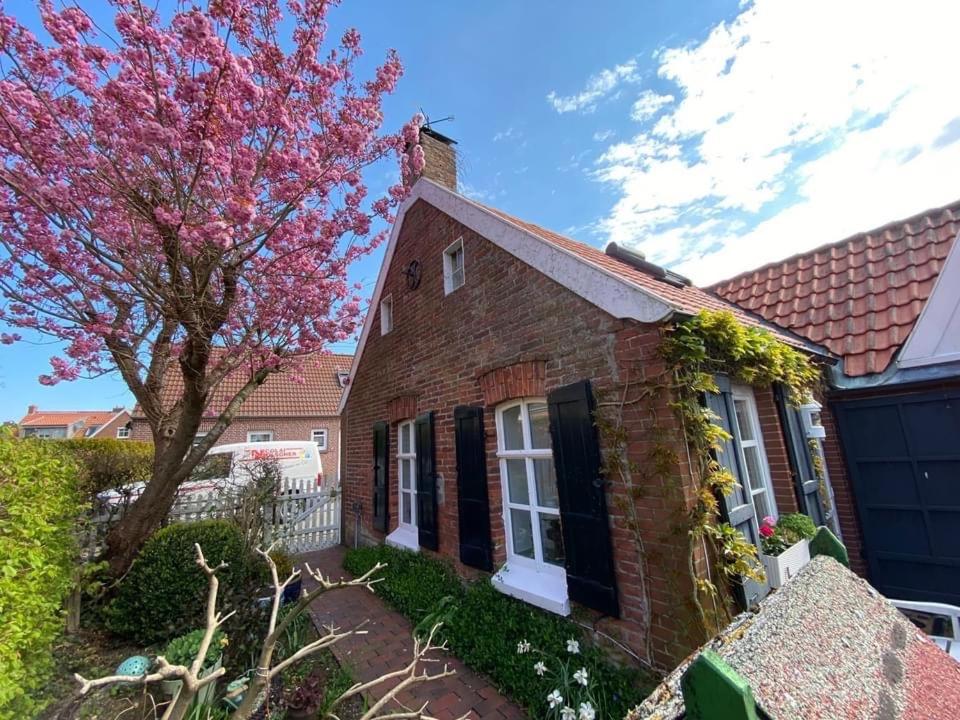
column 259, row 436
column 531, row 503
column 342, row 378
column 319, row 436
column 123, row 432
column 757, row 482
column 386, row 315
column 407, row 474
column 198, row 438
column 453, row 273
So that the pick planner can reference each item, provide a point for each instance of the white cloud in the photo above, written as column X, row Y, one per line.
column 603, row 135
column 649, row 104
column 598, row 86
column 797, row 123
column 508, row 134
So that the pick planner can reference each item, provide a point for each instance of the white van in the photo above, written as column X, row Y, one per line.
column 230, row 467
column 234, row 465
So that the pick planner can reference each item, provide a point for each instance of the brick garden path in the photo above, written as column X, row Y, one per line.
column 389, row 646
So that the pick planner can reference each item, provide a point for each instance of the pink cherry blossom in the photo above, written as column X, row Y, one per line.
column 188, row 192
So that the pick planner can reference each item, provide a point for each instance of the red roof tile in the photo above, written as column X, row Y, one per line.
column 686, row 299
column 59, row 418
column 312, row 392
column 860, row 297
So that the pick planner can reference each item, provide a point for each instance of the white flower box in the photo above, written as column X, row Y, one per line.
column 782, row 567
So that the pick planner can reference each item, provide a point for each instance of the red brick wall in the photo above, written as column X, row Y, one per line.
column 842, row 492
column 511, row 329
column 282, row 428
column 775, row 445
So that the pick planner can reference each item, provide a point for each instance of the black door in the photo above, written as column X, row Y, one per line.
column 903, row 454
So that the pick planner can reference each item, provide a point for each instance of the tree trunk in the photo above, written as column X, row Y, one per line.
column 141, row 519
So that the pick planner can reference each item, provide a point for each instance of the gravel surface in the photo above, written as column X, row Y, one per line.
column 827, row 645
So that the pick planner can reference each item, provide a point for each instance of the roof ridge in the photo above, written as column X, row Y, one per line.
column 952, row 207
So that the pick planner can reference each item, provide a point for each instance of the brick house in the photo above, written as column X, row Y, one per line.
column 468, row 416
column 62, row 424
column 283, row 408
column 887, row 302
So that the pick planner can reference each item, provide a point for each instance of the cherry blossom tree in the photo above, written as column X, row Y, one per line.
column 184, row 194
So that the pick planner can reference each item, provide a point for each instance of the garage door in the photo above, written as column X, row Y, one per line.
column 903, row 454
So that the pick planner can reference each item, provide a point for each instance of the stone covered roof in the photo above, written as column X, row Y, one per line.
column 828, row 646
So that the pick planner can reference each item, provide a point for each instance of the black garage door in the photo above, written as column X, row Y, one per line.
column 903, row 453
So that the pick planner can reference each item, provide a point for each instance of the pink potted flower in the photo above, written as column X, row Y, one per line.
column 784, row 546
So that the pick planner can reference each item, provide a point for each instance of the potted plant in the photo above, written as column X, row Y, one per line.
column 785, row 546
column 182, row 650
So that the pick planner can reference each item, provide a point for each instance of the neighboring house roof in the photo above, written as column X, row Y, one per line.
column 77, row 422
column 860, row 297
column 609, row 283
column 826, row 645
column 313, row 391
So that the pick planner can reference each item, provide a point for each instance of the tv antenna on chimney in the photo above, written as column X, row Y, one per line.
column 428, row 122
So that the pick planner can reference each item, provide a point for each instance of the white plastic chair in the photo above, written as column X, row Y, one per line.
column 950, row 645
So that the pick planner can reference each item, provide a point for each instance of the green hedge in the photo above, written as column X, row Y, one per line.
column 485, row 626
column 109, row 463
column 38, row 507
column 165, row 592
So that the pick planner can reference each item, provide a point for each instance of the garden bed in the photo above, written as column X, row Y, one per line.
column 499, row 636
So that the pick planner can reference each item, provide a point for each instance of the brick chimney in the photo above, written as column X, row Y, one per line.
column 31, row 409
column 117, row 409
column 440, row 158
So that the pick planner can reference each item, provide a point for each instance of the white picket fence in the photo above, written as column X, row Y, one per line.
column 302, row 517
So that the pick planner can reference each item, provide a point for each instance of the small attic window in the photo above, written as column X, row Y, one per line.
column 453, row 276
column 342, row 378
column 386, row 315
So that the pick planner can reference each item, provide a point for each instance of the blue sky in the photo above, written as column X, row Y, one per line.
column 714, row 136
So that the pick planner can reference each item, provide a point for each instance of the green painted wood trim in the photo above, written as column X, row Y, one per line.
column 826, row 543
column 712, row 690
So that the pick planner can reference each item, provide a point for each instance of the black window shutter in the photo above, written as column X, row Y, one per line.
column 381, row 476
column 736, row 508
column 591, row 579
column 806, row 484
column 473, row 505
column 426, row 483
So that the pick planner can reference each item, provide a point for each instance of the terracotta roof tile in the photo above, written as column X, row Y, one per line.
column 860, row 297
column 58, row 418
column 688, row 300
column 313, row 392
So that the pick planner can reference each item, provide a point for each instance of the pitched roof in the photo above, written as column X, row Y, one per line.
column 613, row 285
column 59, row 418
column 861, row 296
column 686, row 299
column 314, row 391
column 825, row 645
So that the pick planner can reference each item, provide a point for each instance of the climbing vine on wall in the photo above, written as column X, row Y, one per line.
column 694, row 351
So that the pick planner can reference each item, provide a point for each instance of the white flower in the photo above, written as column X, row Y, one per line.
column 573, row 647
column 568, row 713
column 587, row 712
column 581, row 676
column 540, row 668
column 554, row 699
column 523, row 647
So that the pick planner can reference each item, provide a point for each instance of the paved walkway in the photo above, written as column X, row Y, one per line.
column 388, row 646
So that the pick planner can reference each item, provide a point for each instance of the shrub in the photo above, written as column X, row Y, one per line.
column 484, row 628
column 38, row 506
column 413, row 583
column 108, row 463
column 164, row 593
column 182, row 650
column 798, row 526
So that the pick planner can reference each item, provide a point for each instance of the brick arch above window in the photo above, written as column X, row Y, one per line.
column 523, row 379
column 402, row 407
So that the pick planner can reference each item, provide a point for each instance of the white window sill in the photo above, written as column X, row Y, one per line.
column 405, row 538
column 544, row 590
